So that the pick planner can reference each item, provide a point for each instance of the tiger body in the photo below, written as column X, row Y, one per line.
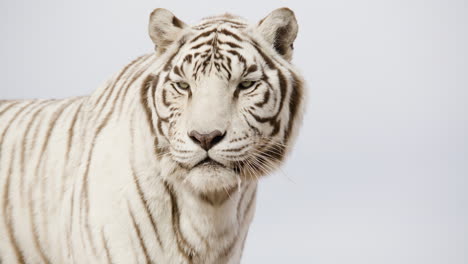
column 114, row 178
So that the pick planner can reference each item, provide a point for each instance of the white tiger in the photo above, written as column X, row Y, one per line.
column 160, row 165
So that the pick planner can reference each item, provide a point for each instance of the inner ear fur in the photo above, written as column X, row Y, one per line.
column 279, row 29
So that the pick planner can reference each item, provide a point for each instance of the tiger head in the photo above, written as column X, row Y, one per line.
column 228, row 101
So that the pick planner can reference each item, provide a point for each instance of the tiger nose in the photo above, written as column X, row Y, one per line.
column 206, row 141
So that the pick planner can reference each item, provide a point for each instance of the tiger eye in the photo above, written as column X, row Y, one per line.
column 246, row 84
column 183, row 85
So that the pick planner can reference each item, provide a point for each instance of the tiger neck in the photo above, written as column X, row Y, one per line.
column 212, row 228
column 207, row 219
column 214, row 223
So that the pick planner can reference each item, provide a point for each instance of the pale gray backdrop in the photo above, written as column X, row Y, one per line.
column 380, row 171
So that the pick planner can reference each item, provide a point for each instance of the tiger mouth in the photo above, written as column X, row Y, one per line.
column 209, row 162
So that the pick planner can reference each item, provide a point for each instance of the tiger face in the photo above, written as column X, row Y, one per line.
column 227, row 98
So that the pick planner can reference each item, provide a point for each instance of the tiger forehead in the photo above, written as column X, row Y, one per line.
column 226, row 19
column 224, row 29
column 219, row 47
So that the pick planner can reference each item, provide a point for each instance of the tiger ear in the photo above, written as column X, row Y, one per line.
column 164, row 28
column 279, row 29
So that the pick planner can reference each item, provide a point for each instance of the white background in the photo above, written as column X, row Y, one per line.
column 380, row 171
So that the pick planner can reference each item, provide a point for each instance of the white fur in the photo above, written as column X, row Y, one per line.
column 80, row 202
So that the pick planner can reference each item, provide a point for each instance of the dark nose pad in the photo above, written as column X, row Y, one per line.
column 206, row 141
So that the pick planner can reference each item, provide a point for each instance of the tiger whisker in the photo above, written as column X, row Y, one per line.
column 276, row 167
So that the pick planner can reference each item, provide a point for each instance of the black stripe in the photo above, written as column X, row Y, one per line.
column 168, row 64
column 141, row 194
column 10, row 122
column 227, row 71
column 256, row 130
column 84, row 192
column 283, row 89
column 84, row 189
column 182, row 244
column 121, row 97
column 262, row 119
column 249, row 205
column 71, row 131
column 7, row 211
column 175, row 89
column 2, row 137
column 229, row 43
column 267, row 59
column 32, row 223
column 294, row 103
column 137, row 229
column 159, row 119
column 144, row 201
column 55, row 116
column 24, row 140
column 238, row 55
column 274, row 120
column 112, row 84
column 33, row 227
column 208, row 43
column 266, row 98
column 250, row 69
column 252, row 90
column 204, row 34
column 229, row 33
column 241, row 201
column 111, row 87
column 8, row 107
column 188, row 58
column 177, row 71
column 106, row 248
column 148, row 84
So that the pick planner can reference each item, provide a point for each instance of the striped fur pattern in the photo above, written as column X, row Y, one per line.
column 114, row 177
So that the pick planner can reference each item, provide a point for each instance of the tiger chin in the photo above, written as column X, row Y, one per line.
column 161, row 163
